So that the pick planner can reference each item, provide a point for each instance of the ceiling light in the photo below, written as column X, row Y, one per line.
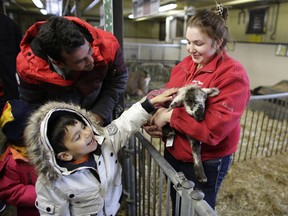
column 38, row 3
column 54, row 7
column 167, row 7
column 43, row 11
column 235, row 2
column 161, row 9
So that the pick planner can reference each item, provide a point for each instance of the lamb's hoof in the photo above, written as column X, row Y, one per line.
column 202, row 179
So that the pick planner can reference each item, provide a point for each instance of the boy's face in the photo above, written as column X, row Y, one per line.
column 79, row 140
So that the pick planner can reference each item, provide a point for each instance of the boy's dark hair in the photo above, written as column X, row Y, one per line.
column 59, row 34
column 57, row 127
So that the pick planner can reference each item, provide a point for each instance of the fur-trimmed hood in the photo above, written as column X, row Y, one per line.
column 39, row 150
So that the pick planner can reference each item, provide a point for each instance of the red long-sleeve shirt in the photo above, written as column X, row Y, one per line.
column 220, row 129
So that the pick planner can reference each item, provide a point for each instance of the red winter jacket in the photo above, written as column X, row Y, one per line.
column 220, row 129
column 17, row 182
column 97, row 90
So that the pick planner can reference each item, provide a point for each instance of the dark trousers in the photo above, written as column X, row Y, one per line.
column 215, row 171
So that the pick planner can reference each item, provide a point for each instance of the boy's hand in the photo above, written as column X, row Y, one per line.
column 165, row 96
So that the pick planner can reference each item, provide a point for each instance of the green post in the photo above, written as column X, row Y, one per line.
column 108, row 13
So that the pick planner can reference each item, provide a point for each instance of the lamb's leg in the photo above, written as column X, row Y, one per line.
column 198, row 166
column 167, row 131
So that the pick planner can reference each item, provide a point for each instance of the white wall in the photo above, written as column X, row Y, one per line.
column 261, row 63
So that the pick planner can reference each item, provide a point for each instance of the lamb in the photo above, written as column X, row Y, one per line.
column 193, row 98
column 137, row 84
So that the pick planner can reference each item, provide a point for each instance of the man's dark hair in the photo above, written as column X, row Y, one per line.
column 59, row 34
column 57, row 127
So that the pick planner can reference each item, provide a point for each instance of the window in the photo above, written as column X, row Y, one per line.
column 257, row 23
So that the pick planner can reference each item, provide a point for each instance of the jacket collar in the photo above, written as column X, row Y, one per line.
column 15, row 154
column 209, row 68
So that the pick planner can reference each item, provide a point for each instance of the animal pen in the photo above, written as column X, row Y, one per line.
column 147, row 176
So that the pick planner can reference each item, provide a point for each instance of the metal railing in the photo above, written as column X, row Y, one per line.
column 148, row 176
column 147, row 180
column 150, row 52
column 264, row 127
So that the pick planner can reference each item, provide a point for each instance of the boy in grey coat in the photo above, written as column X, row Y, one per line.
column 76, row 160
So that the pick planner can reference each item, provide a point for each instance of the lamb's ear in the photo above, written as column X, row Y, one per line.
column 211, row 92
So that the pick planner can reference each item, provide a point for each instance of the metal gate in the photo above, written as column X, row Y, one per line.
column 147, row 177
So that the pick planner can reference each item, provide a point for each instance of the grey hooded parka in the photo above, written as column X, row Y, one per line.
column 78, row 192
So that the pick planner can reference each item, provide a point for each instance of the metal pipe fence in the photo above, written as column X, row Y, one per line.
column 150, row 52
column 264, row 127
column 149, row 184
column 148, row 176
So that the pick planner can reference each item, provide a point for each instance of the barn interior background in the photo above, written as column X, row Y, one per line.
column 257, row 181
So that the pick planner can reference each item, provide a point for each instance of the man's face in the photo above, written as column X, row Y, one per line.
column 80, row 59
column 79, row 140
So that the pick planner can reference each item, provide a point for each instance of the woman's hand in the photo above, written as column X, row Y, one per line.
column 152, row 130
column 158, row 120
column 161, row 117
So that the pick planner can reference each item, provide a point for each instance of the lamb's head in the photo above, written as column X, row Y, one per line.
column 194, row 99
column 194, row 103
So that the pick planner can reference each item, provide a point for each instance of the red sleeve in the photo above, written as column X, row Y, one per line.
column 12, row 189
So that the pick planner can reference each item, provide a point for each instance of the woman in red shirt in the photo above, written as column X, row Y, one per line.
column 207, row 65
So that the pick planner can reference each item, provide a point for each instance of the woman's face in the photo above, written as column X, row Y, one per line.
column 201, row 47
column 79, row 140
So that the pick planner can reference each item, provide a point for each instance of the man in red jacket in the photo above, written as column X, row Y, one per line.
column 67, row 59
